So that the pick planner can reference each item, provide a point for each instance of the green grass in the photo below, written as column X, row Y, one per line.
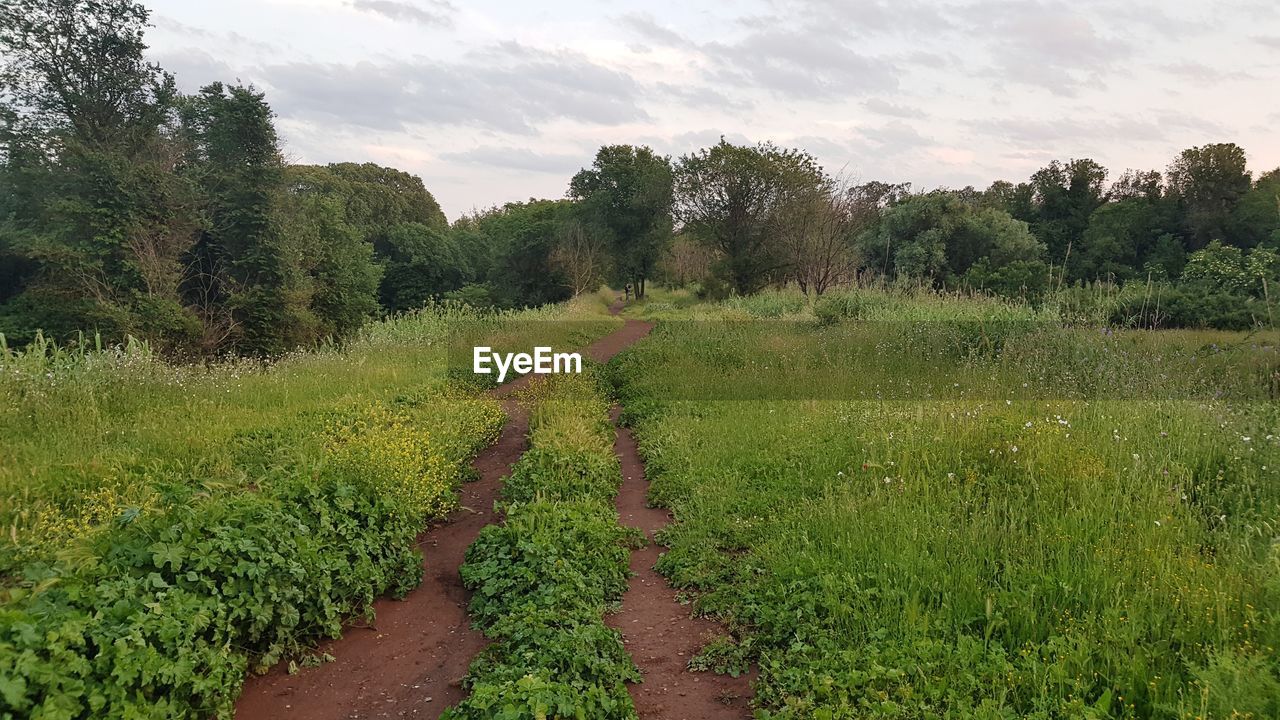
column 1098, row 543
column 171, row 527
column 88, row 435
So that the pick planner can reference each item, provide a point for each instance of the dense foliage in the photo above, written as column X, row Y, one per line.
column 128, row 209
column 182, row 597
column 543, row 578
column 627, row 196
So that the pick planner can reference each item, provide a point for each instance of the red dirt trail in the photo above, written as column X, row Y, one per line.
column 656, row 629
column 410, row 662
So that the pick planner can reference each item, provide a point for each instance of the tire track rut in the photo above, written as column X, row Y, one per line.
column 409, row 663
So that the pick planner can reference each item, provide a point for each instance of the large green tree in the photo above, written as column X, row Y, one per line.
column 520, row 239
column 245, row 280
column 1256, row 219
column 333, row 264
column 940, row 237
column 1131, row 235
column 1064, row 196
column 731, row 196
column 95, row 221
column 392, row 212
column 1208, row 182
column 627, row 193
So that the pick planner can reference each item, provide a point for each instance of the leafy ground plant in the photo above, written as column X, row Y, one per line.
column 543, row 579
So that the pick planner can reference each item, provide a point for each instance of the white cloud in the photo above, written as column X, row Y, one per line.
column 504, row 100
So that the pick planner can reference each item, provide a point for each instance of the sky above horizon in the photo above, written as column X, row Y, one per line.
column 494, row 101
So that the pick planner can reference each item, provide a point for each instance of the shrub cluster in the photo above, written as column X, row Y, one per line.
column 166, row 611
column 543, row 579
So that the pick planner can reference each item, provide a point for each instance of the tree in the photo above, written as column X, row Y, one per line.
column 627, row 193
column 939, row 237
column 422, row 262
column 1207, row 183
column 97, row 222
column 729, row 196
column 392, row 212
column 582, row 258
column 686, row 261
column 521, row 238
column 75, row 68
column 1063, row 199
column 1256, row 219
column 1124, row 234
column 336, row 266
column 1219, row 267
column 381, row 198
column 819, row 227
column 1137, row 185
column 245, row 280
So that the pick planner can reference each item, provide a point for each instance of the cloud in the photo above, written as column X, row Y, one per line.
column 1050, row 45
column 1204, row 74
column 647, row 28
column 895, row 136
column 1271, row 41
column 695, row 140
column 509, row 88
column 440, row 13
column 808, row 59
column 872, row 17
column 193, row 69
column 882, row 107
column 1037, row 134
column 223, row 40
column 513, row 158
column 700, row 96
column 800, row 65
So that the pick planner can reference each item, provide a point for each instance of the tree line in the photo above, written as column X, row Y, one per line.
column 129, row 208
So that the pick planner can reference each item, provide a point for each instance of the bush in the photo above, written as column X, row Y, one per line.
column 1190, row 306
column 1023, row 279
column 714, row 289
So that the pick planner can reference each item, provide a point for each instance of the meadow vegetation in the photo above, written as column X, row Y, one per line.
column 542, row 580
column 987, row 551
column 169, row 527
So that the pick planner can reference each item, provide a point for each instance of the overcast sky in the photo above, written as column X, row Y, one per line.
column 492, row 101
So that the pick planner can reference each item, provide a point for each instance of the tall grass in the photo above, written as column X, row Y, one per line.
column 87, row 434
column 1084, row 529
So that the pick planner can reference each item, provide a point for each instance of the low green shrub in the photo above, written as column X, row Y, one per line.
column 161, row 613
column 1191, row 306
column 542, row 580
column 166, row 623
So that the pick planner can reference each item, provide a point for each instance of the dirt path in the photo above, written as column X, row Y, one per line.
column 409, row 662
column 657, row 630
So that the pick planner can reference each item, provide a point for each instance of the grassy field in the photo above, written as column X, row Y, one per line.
column 167, row 527
column 901, row 504
column 939, row 507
